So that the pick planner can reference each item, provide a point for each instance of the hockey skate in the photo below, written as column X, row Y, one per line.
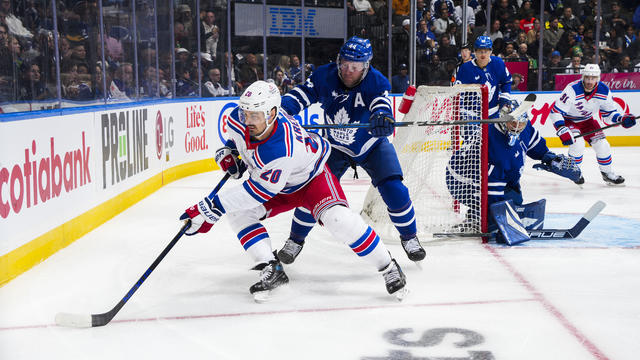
column 612, row 179
column 290, row 251
column 414, row 250
column 272, row 275
column 580, row 181
column 395, row 280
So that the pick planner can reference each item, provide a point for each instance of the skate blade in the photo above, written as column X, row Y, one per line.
column 401, row 294
column 418, row 264
column 614, row 185
column 262, row 296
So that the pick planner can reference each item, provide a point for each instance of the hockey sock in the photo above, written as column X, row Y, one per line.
column 399, row 206
column 255, row 241
column 348, row 227
column 603, row 154
column 301, row 225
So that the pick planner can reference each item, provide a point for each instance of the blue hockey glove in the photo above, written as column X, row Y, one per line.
column 380, row 124
column 504, row 106
column 628, row 121
column 203, row 216
column 560, row 165
column 227, row 159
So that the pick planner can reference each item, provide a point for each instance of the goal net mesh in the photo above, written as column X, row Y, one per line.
column 442, row 164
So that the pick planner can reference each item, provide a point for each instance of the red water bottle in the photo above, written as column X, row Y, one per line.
column 407, row 99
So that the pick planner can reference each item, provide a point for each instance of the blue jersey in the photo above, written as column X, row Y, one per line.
column 506, row 163
column 495, row 76
column 342, row 105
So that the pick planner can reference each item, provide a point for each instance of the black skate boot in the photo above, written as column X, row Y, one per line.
column 580, row 181
column 612, row 179
column 394, row 279
column 290, row 251
column 414, row 250
column 272, row 275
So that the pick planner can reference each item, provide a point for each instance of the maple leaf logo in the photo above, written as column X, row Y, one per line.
column 341, row 117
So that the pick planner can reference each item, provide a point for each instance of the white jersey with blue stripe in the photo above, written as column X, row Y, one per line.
column 343, row 105
column 495, row 76
column 574, row 105
column 506, row 163
column 282, row 163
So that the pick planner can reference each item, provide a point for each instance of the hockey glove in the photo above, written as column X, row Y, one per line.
column 504, row 106
column 203, row 215
column 380, row 124
column 560, row 165
column 628, row 121
column 227, row 159
column 565, row 135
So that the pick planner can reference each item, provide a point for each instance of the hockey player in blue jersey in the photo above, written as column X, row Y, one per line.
column 286, row 167
column 509, row 144
column 487, row 70
column 351, row 91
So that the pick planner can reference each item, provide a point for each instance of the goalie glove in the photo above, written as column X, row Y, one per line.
column 560, row 165
column 227, row 159
column 203, row 216
column 380, row 124
column 565, row 135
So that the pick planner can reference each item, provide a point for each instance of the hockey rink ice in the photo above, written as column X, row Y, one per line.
column 544, row 299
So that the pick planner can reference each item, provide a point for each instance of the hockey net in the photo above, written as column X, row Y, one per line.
column 444, row 166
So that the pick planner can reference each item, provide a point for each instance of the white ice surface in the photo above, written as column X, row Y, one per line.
column 470, row 301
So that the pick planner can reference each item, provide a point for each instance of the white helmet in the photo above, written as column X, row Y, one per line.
column 261, row 96
column 591, row 70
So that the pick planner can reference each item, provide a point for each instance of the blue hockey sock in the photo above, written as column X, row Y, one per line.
column 301, row 225
column 399, row 206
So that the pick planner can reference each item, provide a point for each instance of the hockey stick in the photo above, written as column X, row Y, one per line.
column 94, row 320
column 547, row 234
column 601, row 129
column 524, row 107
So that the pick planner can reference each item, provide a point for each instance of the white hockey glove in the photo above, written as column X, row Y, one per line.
column 227, row 159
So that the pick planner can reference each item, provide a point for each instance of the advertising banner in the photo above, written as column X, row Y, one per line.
column 289, row 21
column 615, row 81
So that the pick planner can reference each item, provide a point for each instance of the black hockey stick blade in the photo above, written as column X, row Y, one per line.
column 547, row 234
column 575, row 231
column 94, row 320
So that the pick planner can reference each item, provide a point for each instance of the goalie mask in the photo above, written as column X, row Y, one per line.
column 354, row 56
column 263, row 97
column 515, row 126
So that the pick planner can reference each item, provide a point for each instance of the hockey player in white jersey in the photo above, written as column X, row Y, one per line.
column 351, row 91
column 286, row 167
column 576, row 112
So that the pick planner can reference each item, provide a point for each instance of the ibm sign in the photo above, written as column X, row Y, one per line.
column 290, row 21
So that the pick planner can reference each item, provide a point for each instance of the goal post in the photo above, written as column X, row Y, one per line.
column 445, row 166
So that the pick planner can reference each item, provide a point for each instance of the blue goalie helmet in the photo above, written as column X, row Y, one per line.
column 483, row 42
column 513, row 128
column 355, row 50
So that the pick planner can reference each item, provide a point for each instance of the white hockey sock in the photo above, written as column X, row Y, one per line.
column 348, row 227
column 603, row 155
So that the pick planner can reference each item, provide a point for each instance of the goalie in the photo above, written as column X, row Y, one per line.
column 509, row 144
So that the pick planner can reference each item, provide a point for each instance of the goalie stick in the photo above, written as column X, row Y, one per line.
column 524, row 107
column 94, row 320
column 548, row 234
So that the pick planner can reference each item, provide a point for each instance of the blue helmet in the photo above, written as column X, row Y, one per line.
column 483, row 42
column 358, row 50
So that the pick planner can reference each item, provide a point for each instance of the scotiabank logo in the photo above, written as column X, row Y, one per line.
column 40, row 179
column 195, row 139
column 124, row 145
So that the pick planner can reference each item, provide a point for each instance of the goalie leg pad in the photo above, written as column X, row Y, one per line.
column 509, row 224
column 348, row 227
column 532, row 214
